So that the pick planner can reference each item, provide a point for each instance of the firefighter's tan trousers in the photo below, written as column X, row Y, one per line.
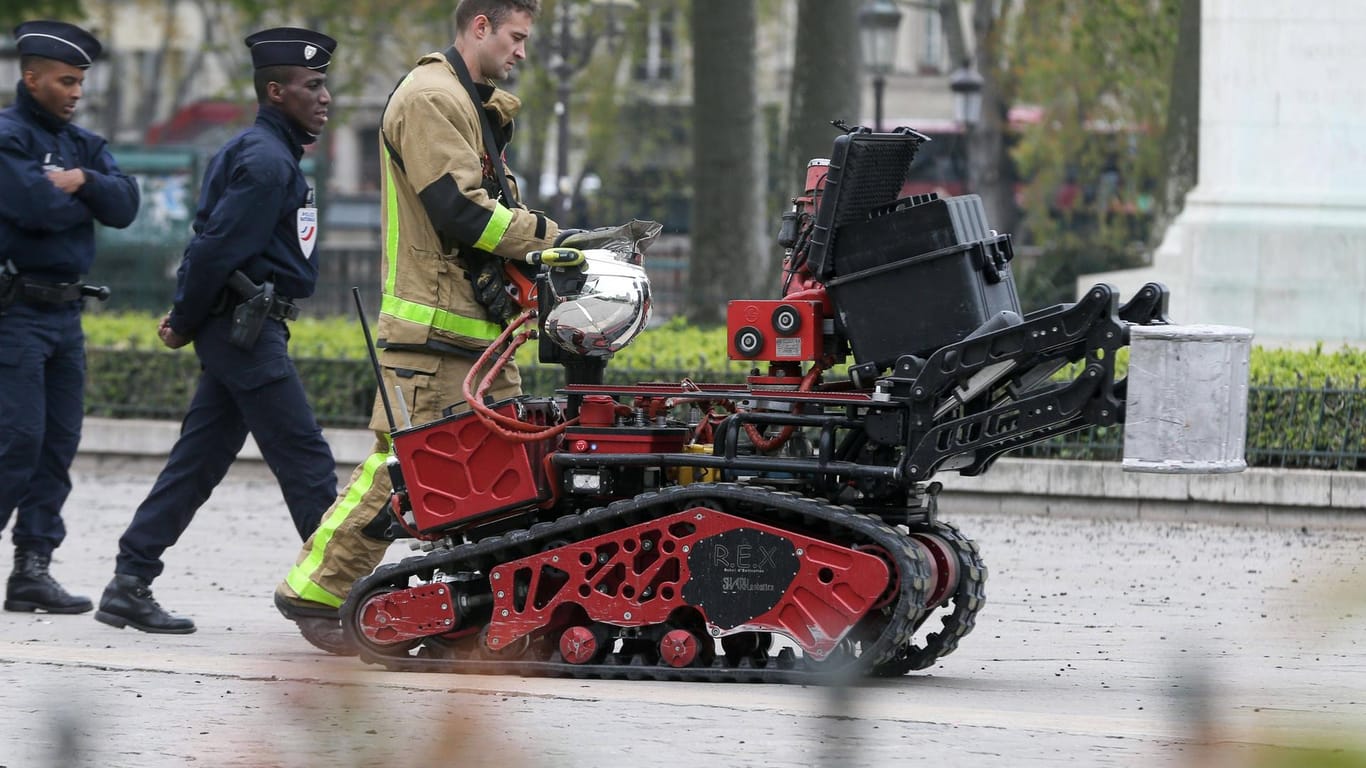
column 340, row 551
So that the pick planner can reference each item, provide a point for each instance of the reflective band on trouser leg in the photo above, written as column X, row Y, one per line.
column 304, row 576
column 497, row 227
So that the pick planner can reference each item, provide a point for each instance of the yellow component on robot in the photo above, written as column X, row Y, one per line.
column 688, row 475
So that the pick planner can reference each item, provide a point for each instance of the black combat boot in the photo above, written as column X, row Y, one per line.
column 32, row 588
column 128, row 602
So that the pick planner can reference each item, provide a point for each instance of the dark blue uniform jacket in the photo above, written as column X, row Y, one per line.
column 49, row 234
column 247, row 220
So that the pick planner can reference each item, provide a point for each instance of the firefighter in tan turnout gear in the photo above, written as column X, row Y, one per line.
column 450, row 217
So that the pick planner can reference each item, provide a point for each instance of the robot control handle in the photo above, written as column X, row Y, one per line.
column 556, row 257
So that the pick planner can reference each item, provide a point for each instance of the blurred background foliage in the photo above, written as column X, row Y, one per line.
column 1306, row 407
column 702, row 113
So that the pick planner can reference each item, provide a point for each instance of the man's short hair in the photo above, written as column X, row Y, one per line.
column 31, row 62
column 496, row 11
column 263, row 77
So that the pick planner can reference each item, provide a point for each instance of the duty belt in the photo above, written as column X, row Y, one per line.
column 35, row 291
column 15, row 287
column 283, row 309
column 279, row 308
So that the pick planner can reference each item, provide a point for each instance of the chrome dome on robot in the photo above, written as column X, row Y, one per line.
column 606, row 313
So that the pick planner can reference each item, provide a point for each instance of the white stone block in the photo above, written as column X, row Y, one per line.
column 1187, row 399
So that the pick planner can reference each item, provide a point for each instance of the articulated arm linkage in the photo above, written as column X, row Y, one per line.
column 993, row 392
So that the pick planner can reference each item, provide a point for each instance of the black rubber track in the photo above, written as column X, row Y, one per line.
column 968, row 599
column 893, row 626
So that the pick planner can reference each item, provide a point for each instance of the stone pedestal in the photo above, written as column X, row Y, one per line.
column 1273, row 237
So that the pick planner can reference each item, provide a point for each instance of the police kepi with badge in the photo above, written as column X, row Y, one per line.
column 252, row 255
column 56, row 181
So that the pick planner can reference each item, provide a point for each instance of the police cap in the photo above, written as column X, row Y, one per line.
column 291, row 46
column 57, row 40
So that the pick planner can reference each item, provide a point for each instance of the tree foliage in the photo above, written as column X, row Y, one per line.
column 14, row 11
column 1101, row 74
column 1085, row 171
column 1181, row 147
column 375, row 45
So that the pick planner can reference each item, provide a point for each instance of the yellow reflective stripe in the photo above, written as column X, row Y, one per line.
column 439, row 319
column 497, row 227
column 312, row 592
column 411, row 311
column 299, row 576
column 391, row 219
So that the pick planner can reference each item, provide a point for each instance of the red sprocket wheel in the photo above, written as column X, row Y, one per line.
column 578, row 645
column 678, row 648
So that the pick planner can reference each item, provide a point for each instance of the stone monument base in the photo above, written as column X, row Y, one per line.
column 1294, row 273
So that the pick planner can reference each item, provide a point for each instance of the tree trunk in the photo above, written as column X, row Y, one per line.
column 190, row 72
column 152, row 82
column 110, row 118
column 727, row 209
column 952, row 25
column 988, row 160
column 826, row 83
column 1181, row 146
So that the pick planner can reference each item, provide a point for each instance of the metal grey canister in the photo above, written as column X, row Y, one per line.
column 1186, row 409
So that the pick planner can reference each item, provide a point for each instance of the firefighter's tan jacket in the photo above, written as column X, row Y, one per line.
column 435, row 203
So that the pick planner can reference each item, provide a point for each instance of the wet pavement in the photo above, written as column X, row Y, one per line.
column 1103, row 642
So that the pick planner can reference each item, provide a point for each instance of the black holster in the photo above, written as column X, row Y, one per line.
column 260, row 304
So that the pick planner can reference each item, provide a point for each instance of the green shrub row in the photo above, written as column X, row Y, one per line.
column 1307, row 407
column 675, row 345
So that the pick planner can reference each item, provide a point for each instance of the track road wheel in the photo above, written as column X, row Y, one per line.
column 930, row 642
column 369, row 631
column 514, row 650
column 679, row 648
column 583, row 645
column 743, row 645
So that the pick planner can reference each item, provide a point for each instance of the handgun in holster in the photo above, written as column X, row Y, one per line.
column 250, row 315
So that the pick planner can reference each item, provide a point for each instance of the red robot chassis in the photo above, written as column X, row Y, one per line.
column 782, row 530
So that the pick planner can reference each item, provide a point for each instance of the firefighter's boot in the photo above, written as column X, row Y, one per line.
column 32, row 588
column 319, row 624
column 128, row 602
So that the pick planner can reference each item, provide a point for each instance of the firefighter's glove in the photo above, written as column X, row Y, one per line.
column 556, row 257
column 490, row 290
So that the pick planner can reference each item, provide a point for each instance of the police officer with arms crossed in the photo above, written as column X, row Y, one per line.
column 450, row 217
column 251, row 254
column 56, row 181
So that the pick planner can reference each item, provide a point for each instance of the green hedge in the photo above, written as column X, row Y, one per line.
column 1307, row 407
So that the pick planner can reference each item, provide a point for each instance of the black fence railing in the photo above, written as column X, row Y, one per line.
column 1300, row 426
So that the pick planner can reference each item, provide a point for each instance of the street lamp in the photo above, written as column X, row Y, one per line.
column 878, row 23
column 966, row 84
column 570, row 50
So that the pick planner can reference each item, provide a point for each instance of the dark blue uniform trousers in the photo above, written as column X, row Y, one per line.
column 238, row 392
column 42, row 382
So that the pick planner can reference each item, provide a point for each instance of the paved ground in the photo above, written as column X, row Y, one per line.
column 1105, row 642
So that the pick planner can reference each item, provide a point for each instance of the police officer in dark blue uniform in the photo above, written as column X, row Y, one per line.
column 252, row 254
column 56, row 181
